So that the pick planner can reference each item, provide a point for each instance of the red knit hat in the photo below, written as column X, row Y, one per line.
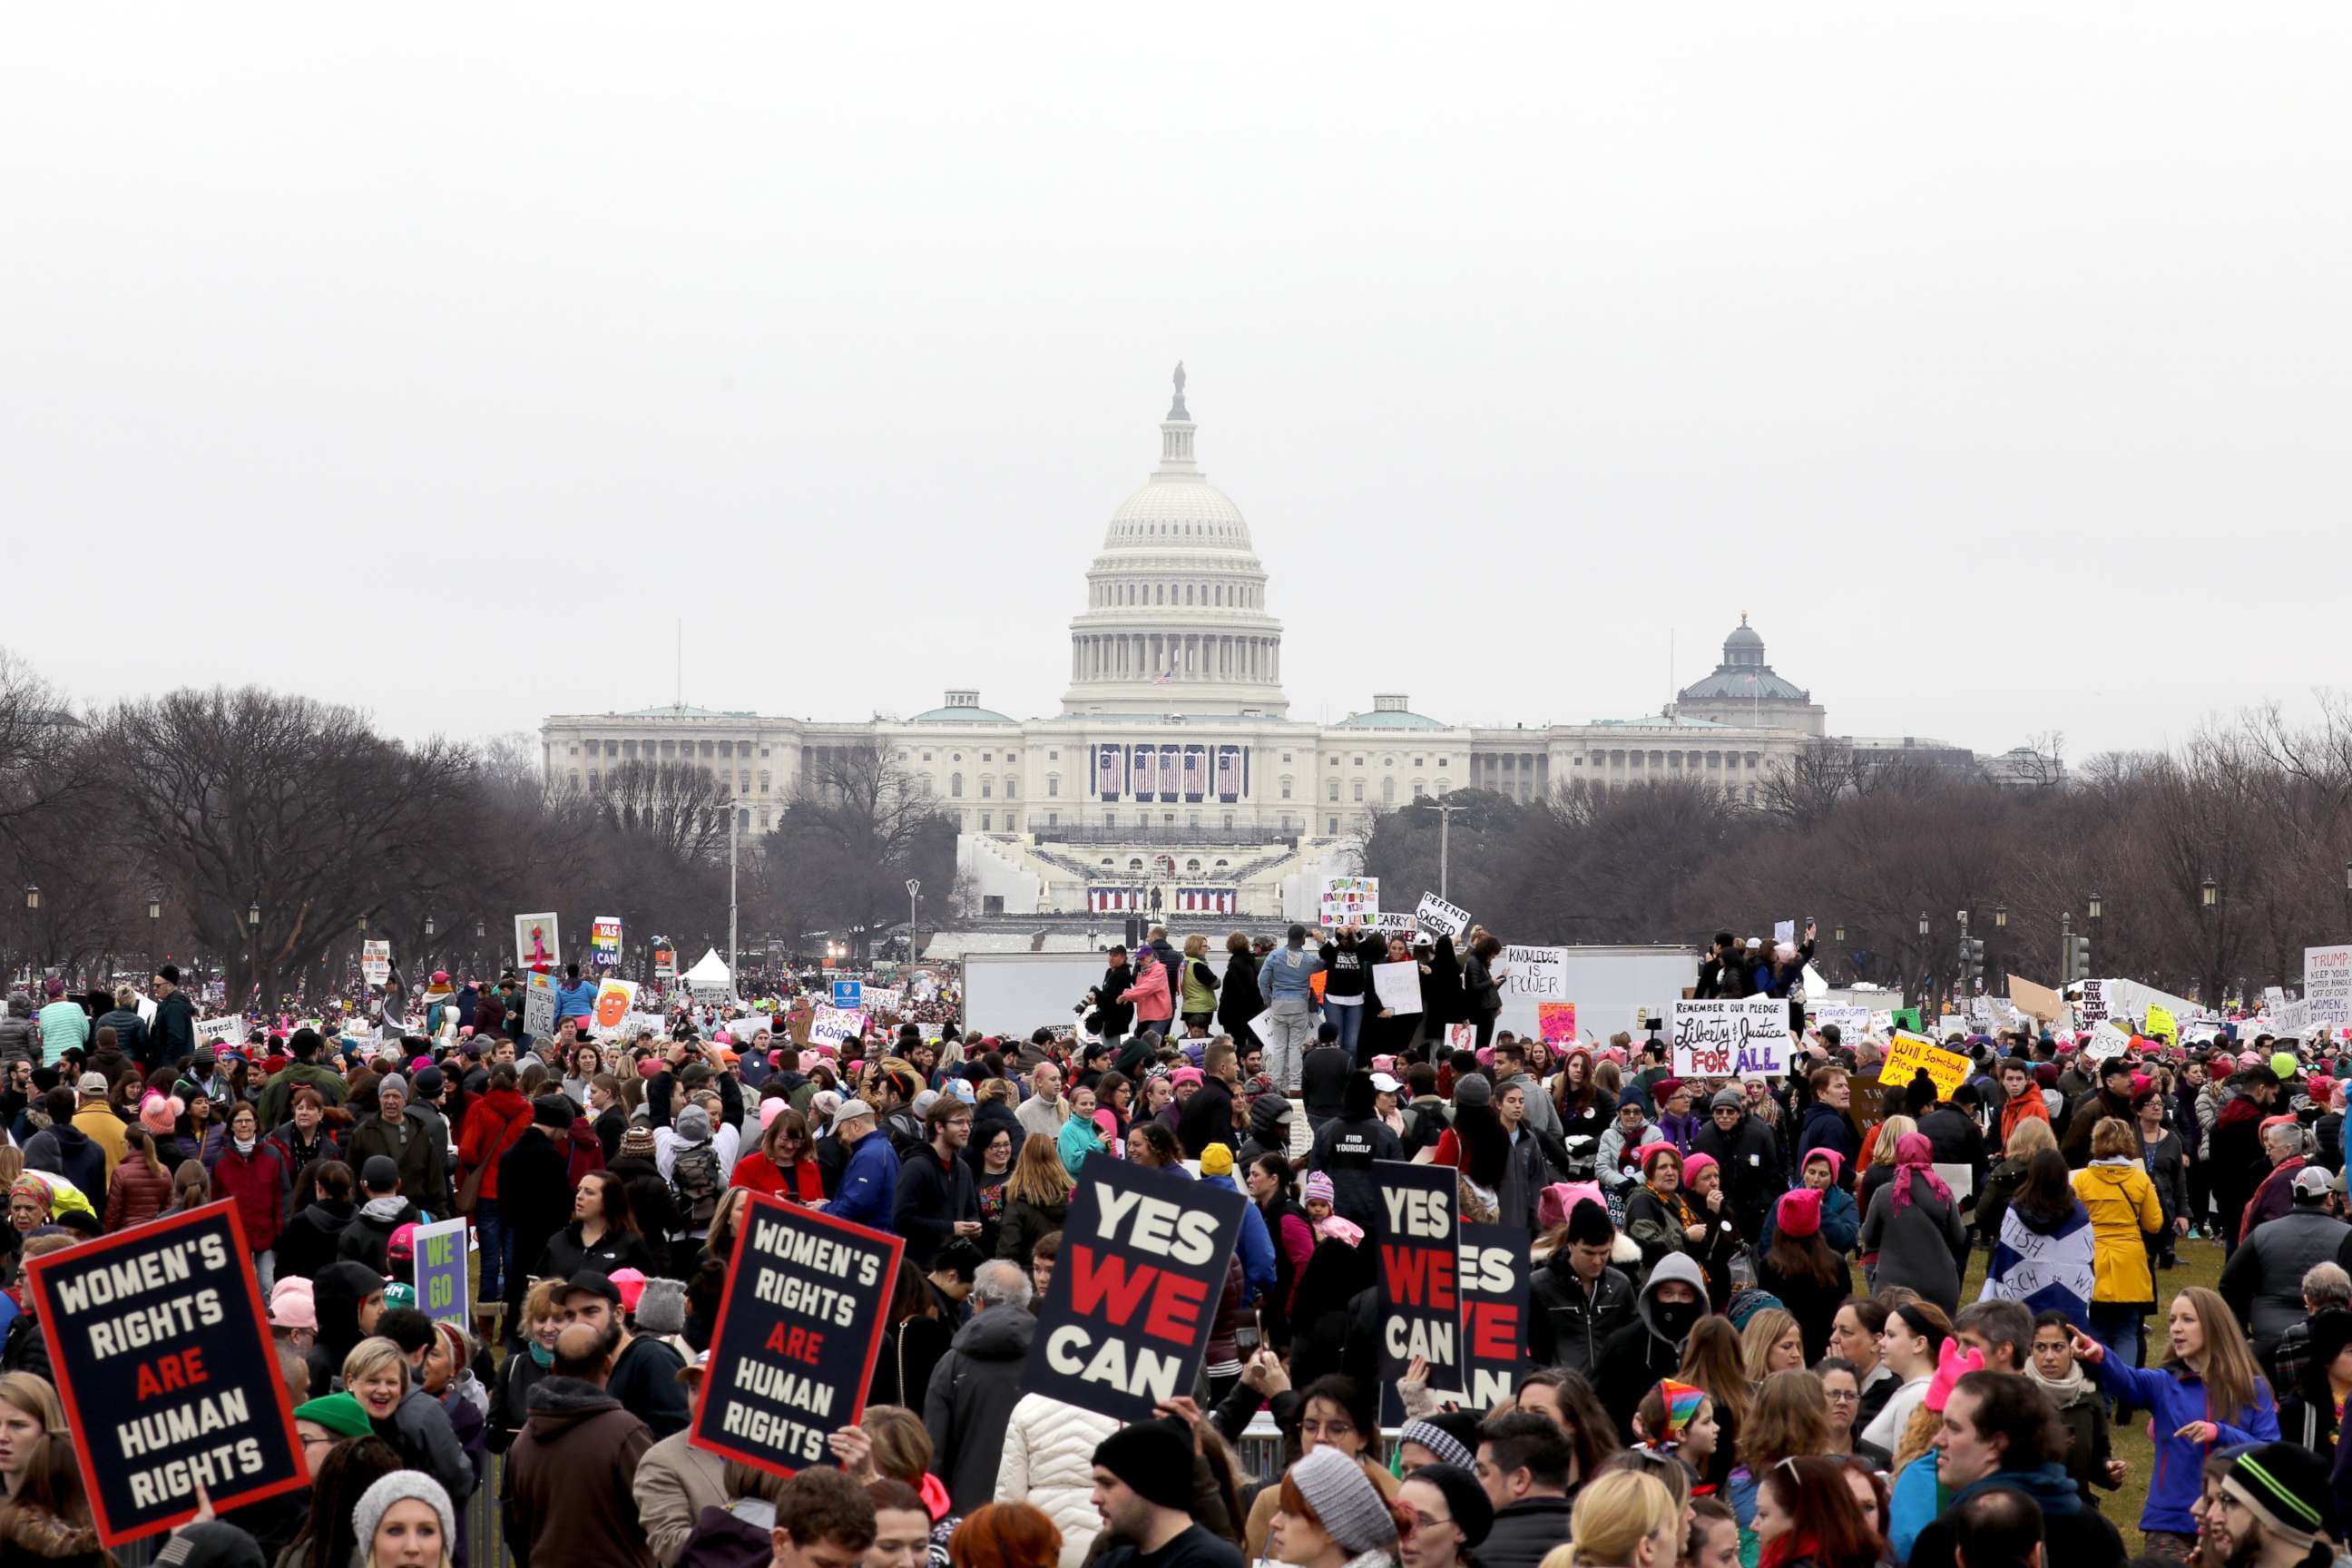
column 1801, row 1212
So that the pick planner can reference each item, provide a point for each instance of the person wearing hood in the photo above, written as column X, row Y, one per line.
column 1914, row 1225
column 382, row 1210
column 1650, row 1347
column 404, row 1136
column 16, row 1030
column 568, row 1493
column 346, row 1297
column 65, row 1149
column 1348, row 1150
column 1577, row 1300
column 1995, row 1437
column 1269, row 1124
column 1750, row 1153
column 976, row 1385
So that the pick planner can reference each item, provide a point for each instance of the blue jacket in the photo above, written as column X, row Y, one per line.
column 1286, row 974
column 2176, row 1401
column 868, row 1193
column 1257, row 1247
column 1912, row 1504
column 1826, row 1128
column 575, row 1001
column 1841, row 1223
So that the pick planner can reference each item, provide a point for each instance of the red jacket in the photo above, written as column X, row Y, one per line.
column 762, row 1174
column 492, row 1124
column 258, row 1182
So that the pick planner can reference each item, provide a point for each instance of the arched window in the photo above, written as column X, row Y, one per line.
column 955, row 785
column 1192, row 865
column 1135, row 864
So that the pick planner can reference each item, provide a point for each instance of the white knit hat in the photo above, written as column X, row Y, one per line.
column 399, row 1486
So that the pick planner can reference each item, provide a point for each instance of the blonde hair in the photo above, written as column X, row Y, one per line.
column 2031, row 1136
column 2233, row 1384
column 1918, row 1435
column 1196, row 946
column 1889, row 1132
column 902, row 1444
column 34, row 1396
column 2113, row 1136
column 372, row 1354
column 1763, row 1331
column 1613, row 1515
column 1038, row 1176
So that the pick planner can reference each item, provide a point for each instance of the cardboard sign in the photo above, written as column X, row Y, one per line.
column 1380, row 922
column 1555, row 1023
column 615, row 1000
column 1493, row 1278
column 2328, row 985
column 441, row 1265
column 2161, row 1025
column 2292, row 1020
column 537, row 943
column 1852, row 1023
column 1908, row 1054
column 798, row 1330
column 161, row 1353
column 1441, row 919
column 1398, row 985
column 1419, row 1310
column 1126, row 1320
column 375, row 962
column 1347, row 899
column 1728, row 1037
column 219, row 1032
column 832, row 1026
column 1541, row 973
column 2105, row 1041
column 883, row 999
column 539, row 1005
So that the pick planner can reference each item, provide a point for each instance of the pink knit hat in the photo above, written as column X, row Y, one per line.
column 1318, row 1185
column 158, row 1115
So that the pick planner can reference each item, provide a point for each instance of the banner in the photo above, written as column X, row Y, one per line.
column 1347, row 899
column 1494, row 1275
column 1441, row 919
column 833, row 1027
column 539, row 1005
column 1541, row 973
column 219, row 1032
column 1908, row 1055
column 798, row 1330
column 441, row 1260
column 614, row 998
column 160, row 1351
column 1110, row 772
column 1125, row 1322
column 537, row 944
column 1397, row 986
column 1555, row 1023
column 1728, row 1037
column 604, row 938
column 375, row 962
column 1419, row 1305
column 2328, row 985
column 1232, row 763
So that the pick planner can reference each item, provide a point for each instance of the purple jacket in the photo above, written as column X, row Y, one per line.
column 1679, row 1130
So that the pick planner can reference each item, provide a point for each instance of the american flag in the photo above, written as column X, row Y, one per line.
column 1163, row 676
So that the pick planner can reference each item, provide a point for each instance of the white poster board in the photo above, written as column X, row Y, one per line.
column 1347, row 899
column 614, row 999
column 1398, row 986
column 375, row 962
column 2093, row 1006
column 1535, row 974
column 539, row 1005
column 833, row 1027
column 537, row 943
column 883, row 999
column 1852, row 1023
column 1727, row 1036
column 2106, row 1041
column 1441, row 919
column 2328, row 985
column 219, row 1032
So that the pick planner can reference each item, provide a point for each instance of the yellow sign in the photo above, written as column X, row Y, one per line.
column 2161, row 1025
column 1908, row 1054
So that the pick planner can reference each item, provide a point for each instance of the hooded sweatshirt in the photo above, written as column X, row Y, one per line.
column 335, row 1295
column 1650, row 1346
column 568, row 1495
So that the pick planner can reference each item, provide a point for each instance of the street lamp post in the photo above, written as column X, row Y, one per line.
column 914, row 886
column 1445, row 833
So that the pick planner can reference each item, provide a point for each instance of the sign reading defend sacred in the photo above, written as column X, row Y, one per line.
column 799, row 1328
column 162, row 1357
column 1125, row 1322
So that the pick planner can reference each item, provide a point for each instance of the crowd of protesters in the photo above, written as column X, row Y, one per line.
column 1747, row 1341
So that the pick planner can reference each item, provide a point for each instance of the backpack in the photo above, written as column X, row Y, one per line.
column 695, row 1178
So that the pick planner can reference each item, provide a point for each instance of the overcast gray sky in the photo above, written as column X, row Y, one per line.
column 434, row 361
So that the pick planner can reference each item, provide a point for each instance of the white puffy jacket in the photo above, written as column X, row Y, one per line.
column 1049, row 1464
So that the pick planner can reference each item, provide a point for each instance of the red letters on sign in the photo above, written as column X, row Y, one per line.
column 1419, row 1277
column 1102, row 1283
column 1494, row 1330
column 185, row 1370
column 800, row 1345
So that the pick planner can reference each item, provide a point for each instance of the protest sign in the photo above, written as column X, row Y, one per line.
column 740, row 1030
column 1852, row 1023
column 794, row 1342
column 219, row 1032
column 883, row 999
column 1461, row 1036
column 1419, row 1256
column 614, row 998
column 1493, row 1278
column 2161, row 1025
column 664, row 963
column 1906, row 1018
column 1398, row 985
column 1908, row 1055
column 1382, row 923
column 1540, row 973
column 2328, row 985
column 1555, row 1023
column 1784, row 930
column 848, row 994
column 1261, row 1027
column 537, row 943
column 832, row 1026
column 1125, row 1322
column 604, row 939
column 2036, row 1000
column 1728, row 1037
column 1979, row 1009
column 441, row 1285
column 159, row 1349
column 1347, row 899
column 1950, row 1024
column 1441, row 919
column 375, row 962
column 2093, row 1006
column 2106, row 1041
column 2292, row 1020
column 539, row 1005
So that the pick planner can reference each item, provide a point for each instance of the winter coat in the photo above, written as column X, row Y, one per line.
column 136, row 1196
column 1841, row 1223
column 1813, row 1304
column 130, row 1033
column 65, row 1149
column 903, row 1367
column 1048, row 1463
column 2262, row 1280
column 2122, row 1204
column 1481, row 994
column 1149, row 994
column 1957, row 1139
column 259, row 1184
column 423, row 1172
column 1641, row 1352
column 2167, row 1164
column 932, row 1195
column 171, row 1032
column 971, row 1400
column 799, row 1184
column 1525, row 1532
column 1024, row 1225
column 2239, row 1163
column 566, row 1253
column 31, row 1534
column 510, row 1400
column 1238, row 1005
column 645, row 1380
column 1206, row 1118
column 337, row 1290
column 16, row 1031
column 1658, row 1225
column 567, row 1497
column 1615, row 1166
column 869, row 1184
column 2175, row 1398
column 675, row 1482
column 493, row 1124
column 2072, row 1532
column 1348, row 1151
column 276, row 1095
column 296, row 1154
column 1753, row 1176
column 538, row 1202
column 1921, row 1248
column 1567, row 1321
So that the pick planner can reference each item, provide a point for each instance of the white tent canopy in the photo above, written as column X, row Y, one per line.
column 710, row 976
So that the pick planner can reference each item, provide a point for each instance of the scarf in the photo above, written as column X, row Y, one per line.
column 541, row 1356
column 1915, row 1156
column 1793, row 1547
column 2063, row 1391
column 1673, row 1202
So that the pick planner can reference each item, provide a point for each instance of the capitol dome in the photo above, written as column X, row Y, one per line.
column 1175, row 620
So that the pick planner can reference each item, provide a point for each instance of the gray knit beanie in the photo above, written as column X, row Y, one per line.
column 1353, row 1512
column 693, row 1124
column 377, row 1501
column 661, row 1307
column 393, row 1081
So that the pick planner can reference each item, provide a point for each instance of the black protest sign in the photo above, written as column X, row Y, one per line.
column 798, row 1329
column 1421, row 1303
column 161, row 1353
column 1496, row 1278
column 1125, row 1323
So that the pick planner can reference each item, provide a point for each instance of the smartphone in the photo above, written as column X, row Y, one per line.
column 1246, row 1338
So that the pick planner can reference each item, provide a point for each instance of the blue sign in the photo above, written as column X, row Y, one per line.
column 441, row 1271
column 848, row 994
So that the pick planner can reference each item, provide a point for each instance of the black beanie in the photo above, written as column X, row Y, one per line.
column 1154, row 1459
column 1465, row 1500
column 1588, row 1225
column 552, row 1110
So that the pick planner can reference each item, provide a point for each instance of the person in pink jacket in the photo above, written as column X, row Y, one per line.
column 1154, row 1007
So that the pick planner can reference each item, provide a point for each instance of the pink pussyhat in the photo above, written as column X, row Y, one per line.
column 1558, row 1201
column 1950, row 1368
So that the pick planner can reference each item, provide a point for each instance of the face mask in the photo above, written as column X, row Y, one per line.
column 1675, row 1319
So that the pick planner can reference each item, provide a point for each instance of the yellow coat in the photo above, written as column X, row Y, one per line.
column 2122, row 1204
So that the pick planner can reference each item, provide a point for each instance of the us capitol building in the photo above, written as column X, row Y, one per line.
column 1174, row 771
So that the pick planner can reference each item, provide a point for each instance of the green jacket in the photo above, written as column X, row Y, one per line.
column 277, row 1094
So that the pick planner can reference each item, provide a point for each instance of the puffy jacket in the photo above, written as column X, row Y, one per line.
column 971, row 1399
column 129, row 1032
column 2122, row 1204
column 1570, row 1323
column 2263, row 1281
column 1255, row 1253
column 1048, row 1463
column 493, row 1123
column 869, row 1183
column 2174, row 1400
column 1525, row 1534
column 138, row 1194
column 16, row 1030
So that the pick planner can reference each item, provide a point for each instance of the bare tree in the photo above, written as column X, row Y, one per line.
column 858, row 825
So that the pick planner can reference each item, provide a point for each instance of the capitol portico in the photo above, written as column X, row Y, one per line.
column 1173, row 756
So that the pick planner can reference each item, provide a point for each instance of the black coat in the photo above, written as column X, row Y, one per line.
column 1753, row 1177
column 1240, row 1000
column 171, row 1034
column 1567, row 1323
column 1207, row 1118
column 311, row 1238
column 933, row 1194
column 1117, row 1017
column 534, row 1198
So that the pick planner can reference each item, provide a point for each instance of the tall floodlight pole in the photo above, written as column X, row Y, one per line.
column 1444, row 838
column 913, row 888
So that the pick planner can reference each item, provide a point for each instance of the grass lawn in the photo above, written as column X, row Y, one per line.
column 2200, row 1264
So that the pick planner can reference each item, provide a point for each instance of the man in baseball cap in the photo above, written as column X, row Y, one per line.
column 868, row 1194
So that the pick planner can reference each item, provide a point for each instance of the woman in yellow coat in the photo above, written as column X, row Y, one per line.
column 2122, row 1202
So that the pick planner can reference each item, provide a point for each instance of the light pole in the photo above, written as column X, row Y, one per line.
column 731, row 959
column 913, row 887
column 1446, row 833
